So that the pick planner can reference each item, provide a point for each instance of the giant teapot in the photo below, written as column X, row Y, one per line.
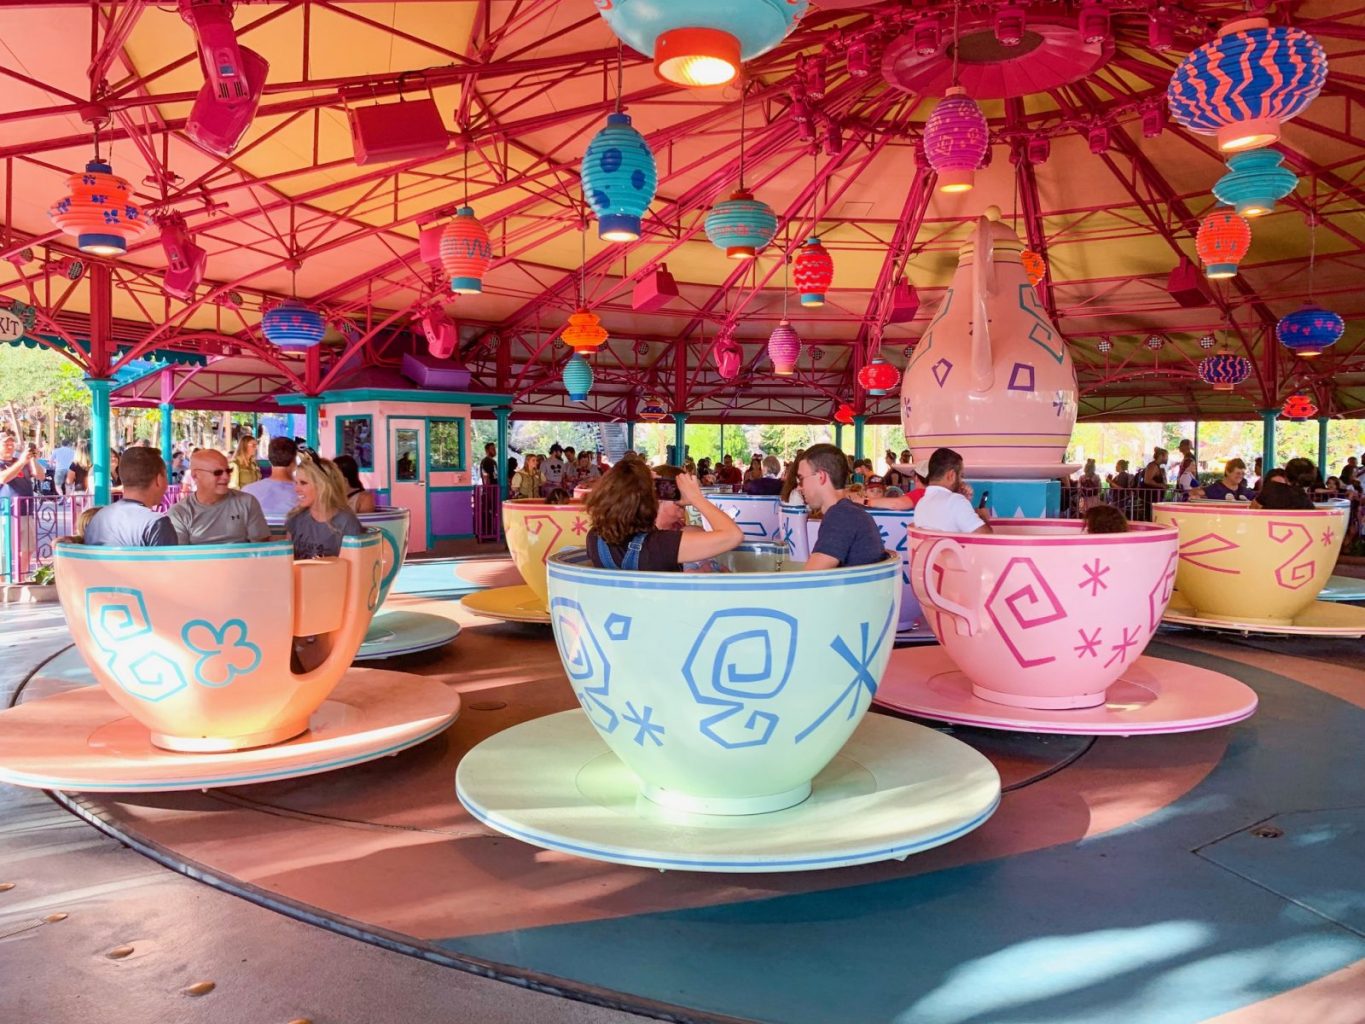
column 992, row 376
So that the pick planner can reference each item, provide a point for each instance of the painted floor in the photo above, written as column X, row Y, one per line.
column 1209, row 876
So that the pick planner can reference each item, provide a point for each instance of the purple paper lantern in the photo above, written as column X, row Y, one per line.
column 956, row 138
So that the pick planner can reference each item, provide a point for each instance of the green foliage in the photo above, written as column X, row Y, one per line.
column 44, row 575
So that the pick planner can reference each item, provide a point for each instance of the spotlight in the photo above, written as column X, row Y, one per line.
column 219, row 55
column 186, row 262
column 1160, row 30
column 1153, row 120
column 927, row 36
column 442, row 335
column 1039, row 149
column 1098, row 135
column 1093, row 21
column 859, row 60
column 904, row 303
column 1009, row 25
column 834, row 138
column 813, row 71
column 696, row 57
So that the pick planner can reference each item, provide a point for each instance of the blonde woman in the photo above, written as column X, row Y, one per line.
column 244, row 468
column 527, row 481
column 321, row 516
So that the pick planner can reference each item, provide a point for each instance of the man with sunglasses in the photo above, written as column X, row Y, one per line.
column 214, row 513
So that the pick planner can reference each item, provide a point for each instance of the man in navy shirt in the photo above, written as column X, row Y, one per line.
column 132, row 523
column 848, row 534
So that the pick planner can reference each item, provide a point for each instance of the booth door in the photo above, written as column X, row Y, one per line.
column 408, row 472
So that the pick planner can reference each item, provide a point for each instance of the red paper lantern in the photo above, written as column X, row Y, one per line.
column 1035, row 267
column 1223, row 240
column 584, row 333
column 844, row 414
column 814, row 272
column 1299, row 407
column 466, row 252
column 878, row 377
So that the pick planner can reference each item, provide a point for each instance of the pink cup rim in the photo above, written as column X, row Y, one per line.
column 1138, row 533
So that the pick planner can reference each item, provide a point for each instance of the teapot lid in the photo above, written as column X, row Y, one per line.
column 1003, row 239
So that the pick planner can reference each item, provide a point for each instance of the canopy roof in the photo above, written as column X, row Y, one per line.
column 525, row 84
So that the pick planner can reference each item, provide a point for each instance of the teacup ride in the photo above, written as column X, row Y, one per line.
column 1258, row 571
column 798, row 531
column 217, row 665
column 535, row 530
column 1042, row 628
column 758, row 515
column 722, row 726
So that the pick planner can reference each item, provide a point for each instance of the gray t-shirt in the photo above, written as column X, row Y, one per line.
column 233, row 519
column 130, row 524
column 849, row 534
column 277, row 497
column 313, row 539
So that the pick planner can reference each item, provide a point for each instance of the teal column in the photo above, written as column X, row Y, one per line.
column 99, row 437
column 1322, row 446
column 858, row 422
column 167, row 434
column 630, row 435
column 1268, row 417
column 503, row 413
column 839, row 436
column 311, row 431
column 679, row 438
column 256, row 425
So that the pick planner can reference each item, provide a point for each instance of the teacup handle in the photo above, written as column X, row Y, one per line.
column 967, row 622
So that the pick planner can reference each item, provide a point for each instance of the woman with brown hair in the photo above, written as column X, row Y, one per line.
column 623, row 508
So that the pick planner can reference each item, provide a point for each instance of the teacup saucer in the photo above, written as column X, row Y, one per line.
column 452, row 577
column 1343, row 588
column 81, row 740
column 514, row 604
column 896, row 789
column 396, row 633
column 1321, row 618
column 1153, row 696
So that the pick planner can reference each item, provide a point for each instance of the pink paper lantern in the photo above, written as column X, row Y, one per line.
column 784, row 348
column 956, row 138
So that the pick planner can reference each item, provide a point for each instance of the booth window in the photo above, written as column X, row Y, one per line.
column 445, row 445
column 355, row 437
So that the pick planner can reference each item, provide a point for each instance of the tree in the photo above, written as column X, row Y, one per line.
column 41, row 395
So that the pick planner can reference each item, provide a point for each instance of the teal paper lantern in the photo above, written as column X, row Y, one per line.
column 1255, row 180
column 619, row 179
column 577, row 379
column 741, row 225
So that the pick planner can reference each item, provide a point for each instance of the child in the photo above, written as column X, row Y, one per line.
column 1105, row 519
column 322, row 515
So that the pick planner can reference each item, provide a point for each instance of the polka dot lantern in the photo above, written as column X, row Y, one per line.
column 584, row 333
column 784, row 348
column 878, row 377
column 1255, row 180
column 577, row 378
column 99, row 211
column 813, row 271
column 956, row 138
column 741, row 225
column 1307, row 332
column 619, row 179
column 291, row 324
column 1222, row 242
column 1224, row 371
column 1245, row 83
column 466, row 252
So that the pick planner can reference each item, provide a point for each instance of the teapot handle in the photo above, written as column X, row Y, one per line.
column 983, row 287
column 966, row 618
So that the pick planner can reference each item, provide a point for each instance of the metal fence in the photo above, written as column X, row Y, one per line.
column 487, row 513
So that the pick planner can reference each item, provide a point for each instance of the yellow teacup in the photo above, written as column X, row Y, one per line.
column 1259, row 566
column 535, row 530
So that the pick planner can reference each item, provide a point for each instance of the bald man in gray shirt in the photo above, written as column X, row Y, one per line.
column 214, row 513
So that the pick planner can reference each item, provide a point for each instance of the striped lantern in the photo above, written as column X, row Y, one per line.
column 1222, row 242
column 741, row 225
column 1255, row 180
column 1035, row 267
column 619, row 179
column 577, row 378
column 1224, row 371
column 652, row 409
column 784, row 348
column 956, row 138
column 1299, row 407
column 291, row 324
column 1308, row 331
column 99, row 211
column 878, row 377
column 466, row 252
column 1241, row 86
column 584, row 332
column 813, row 271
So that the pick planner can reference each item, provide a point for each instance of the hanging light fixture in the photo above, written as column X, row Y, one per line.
column 652, row 409
column 1224, row 371
column 1155, row 342
column 813, row 271
column 1035, row 267
column 619, row 174
column 1255, row 180
column 291, row 324
column 1222, row 242
column 466, row 251
column 99, row 210
column 1299, row 407
column 741, row 225
column 1105, row 346
column 584, row 332
column 1309, row 331
column 956, row 136
column 1208, row 341
column 878, row 377
column 1245, row 83
column 1093, row 21
column 784, row 344
column 577, row 378
column 701, row 42
column 844, row 414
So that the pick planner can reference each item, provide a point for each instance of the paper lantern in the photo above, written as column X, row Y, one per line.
column 955, row 140
column 1255, row 180
column 1308, row 331
column 466, row 252
column 1035, row 267
column 741, row 225
column 701, row 42
column 1222, row 242
column 98, row 211
column 1299, row 407
column 1241, row 86
column 291, row 324
column 652, row 409
column 1224, row 371
column 844, row 414
column 813, row 270
column 784, row 348
column 619, row 179
column 878, row 377
column 584, row 333
column 577, row 378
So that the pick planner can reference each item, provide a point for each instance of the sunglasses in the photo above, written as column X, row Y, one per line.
column 214, row 472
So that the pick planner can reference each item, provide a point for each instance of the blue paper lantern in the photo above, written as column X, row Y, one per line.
column 1224, row 371
column 619, row 179
column 741, row 225
column 1308, row 331
column 291, row 324
column 577, row 379
column 1255, row 180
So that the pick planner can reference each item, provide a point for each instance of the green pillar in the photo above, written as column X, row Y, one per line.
column 839, row 436
column 311, row 431
column 858, row 422
column 503, row 413
column 1268, row 439
column 679, row 438
column 630, row 435
column 167, row 434
column 1322, row 446
column 99, row 437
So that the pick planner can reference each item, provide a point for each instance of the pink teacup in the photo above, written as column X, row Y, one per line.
column 1040, row 614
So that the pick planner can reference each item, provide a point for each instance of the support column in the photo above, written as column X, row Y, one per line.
column 167, row 434
column 679, row 438
column 630, row 435
column 503, row 413
column 1268, row 417
column 1322, row 446
column 858, row 423
column 99, row 437
column 839, row 436
column 311, row 431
